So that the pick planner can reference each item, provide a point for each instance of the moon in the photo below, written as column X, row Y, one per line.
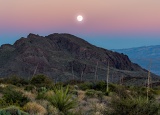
column 79, row 18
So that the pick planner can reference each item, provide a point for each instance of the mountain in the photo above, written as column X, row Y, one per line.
column 148, row 57
column 63, row 57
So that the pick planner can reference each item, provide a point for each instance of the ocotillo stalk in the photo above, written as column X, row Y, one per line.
column 81, row 75
column 72, row 71
column 107, row 89
column 35, row 70
column 121, row 80
column 96, row 72
column 148, row 84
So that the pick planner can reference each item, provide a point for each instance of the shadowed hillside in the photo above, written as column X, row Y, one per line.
column 145, row 56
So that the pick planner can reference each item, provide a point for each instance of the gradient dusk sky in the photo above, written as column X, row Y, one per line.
column 107, row 23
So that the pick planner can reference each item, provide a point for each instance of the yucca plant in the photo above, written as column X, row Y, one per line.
column 62, row 100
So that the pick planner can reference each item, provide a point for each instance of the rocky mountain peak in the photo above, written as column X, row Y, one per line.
column 62, row 55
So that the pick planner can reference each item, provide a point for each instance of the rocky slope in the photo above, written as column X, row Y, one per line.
column 64, row 57
column 147, row 57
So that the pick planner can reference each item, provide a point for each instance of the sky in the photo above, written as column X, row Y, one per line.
column 111, row 24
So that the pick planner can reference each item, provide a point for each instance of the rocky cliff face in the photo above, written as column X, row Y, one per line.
column 63, row 57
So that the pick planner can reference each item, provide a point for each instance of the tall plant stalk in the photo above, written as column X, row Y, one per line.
column 148, row 85
column 148, row 82
column 81, row 76
column 95, row 78
column 107, row 78
column 72, row 72
column 35, row 70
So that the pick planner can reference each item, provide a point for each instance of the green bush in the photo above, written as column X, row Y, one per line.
column 90, row 93
column 101, row 86
column 119, row 90
column 73, row 82
column 41, row 93
column 15, row 80
column 41, row 81
column 134, row 106
column 142, row 91
column 29, row 87
column 13, row 97
column 12, row 111
column 3, row 103
column 94, row 93
column 86, row 85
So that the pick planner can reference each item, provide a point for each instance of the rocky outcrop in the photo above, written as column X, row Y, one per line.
column 62, row 56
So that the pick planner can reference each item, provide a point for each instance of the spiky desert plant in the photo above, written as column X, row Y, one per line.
column 62, row 100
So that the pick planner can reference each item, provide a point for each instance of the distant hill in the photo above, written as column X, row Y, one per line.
column 64, row 57
column 147, row 57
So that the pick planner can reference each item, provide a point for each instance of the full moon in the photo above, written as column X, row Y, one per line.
column 79, row 18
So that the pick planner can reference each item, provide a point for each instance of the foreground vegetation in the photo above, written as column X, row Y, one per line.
column 40, row 96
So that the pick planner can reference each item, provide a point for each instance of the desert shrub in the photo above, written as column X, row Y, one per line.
column 41, row 93
column 49, row 94
column 1, row 89
column 94, row 93
column 74, row 92
column 31, row 96
column 14, row 97
column 101, row 86
column 100, row 95
column 119, row 90
column 53, row 110
column 90, row 93
column 156, row 92
column 73, row 82
column 15, row 80
column 62, row 100
column 81, row 95
column 142, row 91
column 98, row 109
column 42, row 81
column 134, row 106
column 29, row 87
column 86, row 85
column 34, row 109
column 3, row 103
column 12, row 111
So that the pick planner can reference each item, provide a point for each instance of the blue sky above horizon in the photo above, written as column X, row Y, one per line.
column 111, row 24
column 104, row 41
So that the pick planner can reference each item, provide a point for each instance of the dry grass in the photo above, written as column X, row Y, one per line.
column 99, row 108
column 81, row 95
column 3, row 85
column 27, row 94
column 34, row 109
column 30, row 95
column 53, row 110
column 49, row 94
column 44, row 103
column 1, row 95
column 93, row 100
